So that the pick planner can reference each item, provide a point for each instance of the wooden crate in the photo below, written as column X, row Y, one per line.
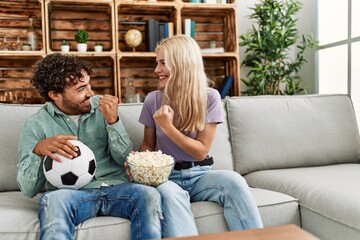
column 14, row 22
column 213, row 24
column 15, row 75
column 217, row 68
column 141, row 71
column 143, row 1
column 65, row 17
column 103, row 80
column 16, row 71
column 134, row 16
column 217, row 1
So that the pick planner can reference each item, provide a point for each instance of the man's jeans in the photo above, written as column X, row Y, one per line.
column 198, row 183
column 61, row 210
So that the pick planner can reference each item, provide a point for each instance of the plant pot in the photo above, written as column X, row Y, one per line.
column 82, row 47
column 65, row 48
column 98, row 48
column 26, row 47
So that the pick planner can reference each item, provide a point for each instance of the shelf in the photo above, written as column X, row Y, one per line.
column 15, row 72
column 107, row 21
column 131, row 16
column 141, row 70
column 103, row 79
column 14, row 23
column 65, row 17
column 213, row 24
column 218, row 67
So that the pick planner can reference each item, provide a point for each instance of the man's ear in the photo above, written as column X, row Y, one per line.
column 54, row 95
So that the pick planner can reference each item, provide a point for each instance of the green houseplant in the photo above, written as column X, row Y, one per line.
column 82, row 37
column 268, row 46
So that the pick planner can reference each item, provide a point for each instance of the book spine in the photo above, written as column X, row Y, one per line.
column 187, row 27
column 171, row 29
column 151, row 34
column 161, row 31
column 192, row 29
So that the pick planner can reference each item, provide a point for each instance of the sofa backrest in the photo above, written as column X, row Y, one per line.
column 220, row 151
column 269, row 132
column 12, row 117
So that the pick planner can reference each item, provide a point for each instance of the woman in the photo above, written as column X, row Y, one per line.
column 180, row 119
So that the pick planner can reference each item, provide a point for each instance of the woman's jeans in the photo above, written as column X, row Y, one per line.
column 198, row 183
column 61, row 210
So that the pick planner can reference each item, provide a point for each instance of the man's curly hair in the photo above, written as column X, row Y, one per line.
column 56, row 71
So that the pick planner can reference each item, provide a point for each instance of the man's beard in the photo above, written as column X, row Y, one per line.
column 75, row 108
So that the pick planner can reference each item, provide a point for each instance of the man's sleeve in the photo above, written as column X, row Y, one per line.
column 30, row 176
column 120, row 144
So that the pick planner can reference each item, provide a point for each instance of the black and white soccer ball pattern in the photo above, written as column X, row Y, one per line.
column 71, row 173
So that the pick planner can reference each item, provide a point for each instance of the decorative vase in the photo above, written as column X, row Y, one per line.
column 65, row 48
column 82, row 47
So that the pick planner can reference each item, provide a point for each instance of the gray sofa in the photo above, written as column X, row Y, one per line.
column 300, row 155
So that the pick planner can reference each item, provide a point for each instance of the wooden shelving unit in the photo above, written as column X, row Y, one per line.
column 107, row 21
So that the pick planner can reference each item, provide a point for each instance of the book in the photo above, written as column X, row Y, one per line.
column 225, row 86
column 187, row 27
column 212, row 50
column 192, row 29
column 151, row 34
column 166, row 28
column 171, row 29
column 162, row 33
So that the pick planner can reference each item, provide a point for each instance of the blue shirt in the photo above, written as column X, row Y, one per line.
column 110, row 143
column 153, row 102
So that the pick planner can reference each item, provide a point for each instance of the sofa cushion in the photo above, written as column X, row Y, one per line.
column 276, row 208
column 329, row 192
column 11, row 120
column 269, row 132
column 20, row 217
column 20, row 221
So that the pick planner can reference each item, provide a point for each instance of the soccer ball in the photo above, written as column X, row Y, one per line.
column 71, row 173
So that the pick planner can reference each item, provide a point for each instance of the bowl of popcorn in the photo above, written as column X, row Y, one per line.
column 150, row 168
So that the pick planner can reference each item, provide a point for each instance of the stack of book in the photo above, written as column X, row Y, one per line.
column 189, row 27
column 155, row 31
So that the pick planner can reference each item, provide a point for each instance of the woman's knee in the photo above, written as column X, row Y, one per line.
column 171, row 192
column 147, row 195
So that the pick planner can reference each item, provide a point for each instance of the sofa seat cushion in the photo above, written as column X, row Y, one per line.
column 329, row 192
column 19, row 216
column 20, row 220
column 276, row 208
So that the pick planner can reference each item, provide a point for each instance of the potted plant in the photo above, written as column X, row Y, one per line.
column 65, row 47
column 272, row 71
column 98, row 47
column 81, row 37
column 26, row 47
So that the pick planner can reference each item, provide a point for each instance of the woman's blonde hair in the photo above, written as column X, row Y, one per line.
column 186, row 88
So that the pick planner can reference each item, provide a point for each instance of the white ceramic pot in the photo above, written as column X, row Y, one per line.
column 65, row 48
column 82, row 47
column 98, row 48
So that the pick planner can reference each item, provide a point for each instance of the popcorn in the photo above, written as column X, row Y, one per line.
column 150, row 168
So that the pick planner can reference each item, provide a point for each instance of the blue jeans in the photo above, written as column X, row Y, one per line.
column 61, row 210
column 198, row 183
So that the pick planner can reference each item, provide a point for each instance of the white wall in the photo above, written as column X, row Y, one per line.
column 306, row 24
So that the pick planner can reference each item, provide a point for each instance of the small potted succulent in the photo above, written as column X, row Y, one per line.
column 65, row 47
column 98, row 47
column 81, row 37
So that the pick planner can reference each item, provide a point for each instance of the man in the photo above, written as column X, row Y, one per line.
column 73, row 112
